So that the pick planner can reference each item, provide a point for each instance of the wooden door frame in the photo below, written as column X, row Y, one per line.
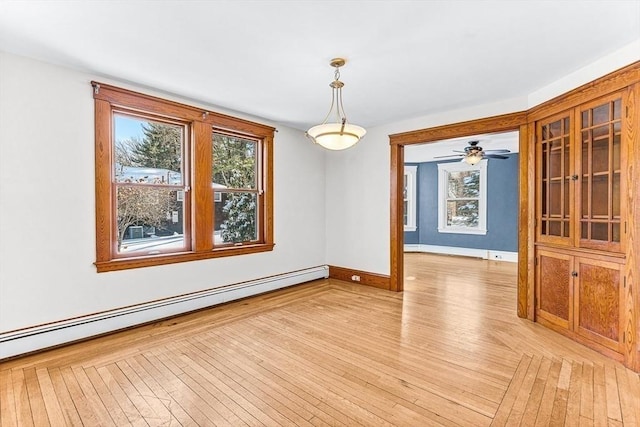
column 526, row 220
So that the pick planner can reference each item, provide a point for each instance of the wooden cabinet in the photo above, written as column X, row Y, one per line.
column 555, row 192
column 598, row 172
column 583, row 297
column 579, row 177
column 554, row 288
column 598, row 299
column 581, row 224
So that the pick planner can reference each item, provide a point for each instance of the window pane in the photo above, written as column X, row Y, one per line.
column 150, row 220
column 405, row 213
column 464, row 184
column 601, row 114
column 235, row 162
column 235, row 218
column 404, row 188
column 462, row 213
column 615, row 231
column 599, row 231
column 600, row 196
column 147, row 151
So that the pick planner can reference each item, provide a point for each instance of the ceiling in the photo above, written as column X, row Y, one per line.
column 270, row 58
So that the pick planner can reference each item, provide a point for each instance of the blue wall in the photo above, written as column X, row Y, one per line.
column 502, row 209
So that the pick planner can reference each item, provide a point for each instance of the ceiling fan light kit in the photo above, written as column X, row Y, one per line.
column 338, row 135
column 473, row 154
column 472, row 159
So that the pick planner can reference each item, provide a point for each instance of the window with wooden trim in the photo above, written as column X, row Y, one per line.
column 176, row 183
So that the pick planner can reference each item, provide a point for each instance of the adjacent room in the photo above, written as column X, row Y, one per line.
column 398, row 213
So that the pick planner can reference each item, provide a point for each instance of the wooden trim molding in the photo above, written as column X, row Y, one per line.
column 526, row 225
column 396, row 280
column 632, row 252
column 505, row 122
column 365, row 278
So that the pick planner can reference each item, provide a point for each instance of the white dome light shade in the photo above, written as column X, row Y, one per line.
column 333, row 136
column 473, row 159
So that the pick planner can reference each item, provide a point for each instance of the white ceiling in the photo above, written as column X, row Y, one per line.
column 270, row 58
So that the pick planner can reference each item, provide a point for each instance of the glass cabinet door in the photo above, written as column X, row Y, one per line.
column 599, row 169
column 554, row 190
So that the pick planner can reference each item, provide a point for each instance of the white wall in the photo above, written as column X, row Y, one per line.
column 357, row 209
column 47, row 239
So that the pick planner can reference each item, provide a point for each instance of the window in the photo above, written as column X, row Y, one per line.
column 409, row 196
column 462, row 198
column 236, row 188
column 175, row 183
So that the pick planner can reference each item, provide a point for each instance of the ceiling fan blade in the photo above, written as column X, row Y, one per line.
column 495, row 156
column 498, row 151
column 458, row 151
column 449, row 155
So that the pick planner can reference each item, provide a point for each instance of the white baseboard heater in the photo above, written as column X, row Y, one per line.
column 26, row 340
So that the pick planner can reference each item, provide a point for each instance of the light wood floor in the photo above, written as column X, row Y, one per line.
column 448, row 351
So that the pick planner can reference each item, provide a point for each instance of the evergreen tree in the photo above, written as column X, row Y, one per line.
column 234, row 165
column 160, row 147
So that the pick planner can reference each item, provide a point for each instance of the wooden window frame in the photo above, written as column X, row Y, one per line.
column 201, row 124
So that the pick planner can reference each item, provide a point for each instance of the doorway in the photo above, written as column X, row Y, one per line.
column 496, row 124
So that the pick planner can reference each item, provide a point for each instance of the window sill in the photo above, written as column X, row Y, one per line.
column 462, row 231
column 154, row 260
column 410, row 228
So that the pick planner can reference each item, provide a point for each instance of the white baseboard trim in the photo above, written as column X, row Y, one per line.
column 22, row 341
column 470, row 252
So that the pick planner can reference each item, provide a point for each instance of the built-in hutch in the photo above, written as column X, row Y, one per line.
column 585, row 147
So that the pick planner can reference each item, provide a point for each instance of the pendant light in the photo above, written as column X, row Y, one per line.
column 338, row 135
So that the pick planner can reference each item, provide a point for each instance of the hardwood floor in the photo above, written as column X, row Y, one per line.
column 448, row 351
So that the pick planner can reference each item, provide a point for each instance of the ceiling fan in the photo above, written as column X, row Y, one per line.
column 474, row 153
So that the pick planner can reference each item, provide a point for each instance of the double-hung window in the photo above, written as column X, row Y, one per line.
column 176, row 183
column 409, row 197
column 236, row 188
column 462, row 198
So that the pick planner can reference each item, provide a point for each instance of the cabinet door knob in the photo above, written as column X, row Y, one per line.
column 574, row 274
column 574, row 177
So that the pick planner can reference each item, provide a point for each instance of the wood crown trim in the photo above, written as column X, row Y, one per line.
column 504, row 122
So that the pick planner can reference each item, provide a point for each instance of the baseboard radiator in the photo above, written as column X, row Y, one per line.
column 30, row 339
